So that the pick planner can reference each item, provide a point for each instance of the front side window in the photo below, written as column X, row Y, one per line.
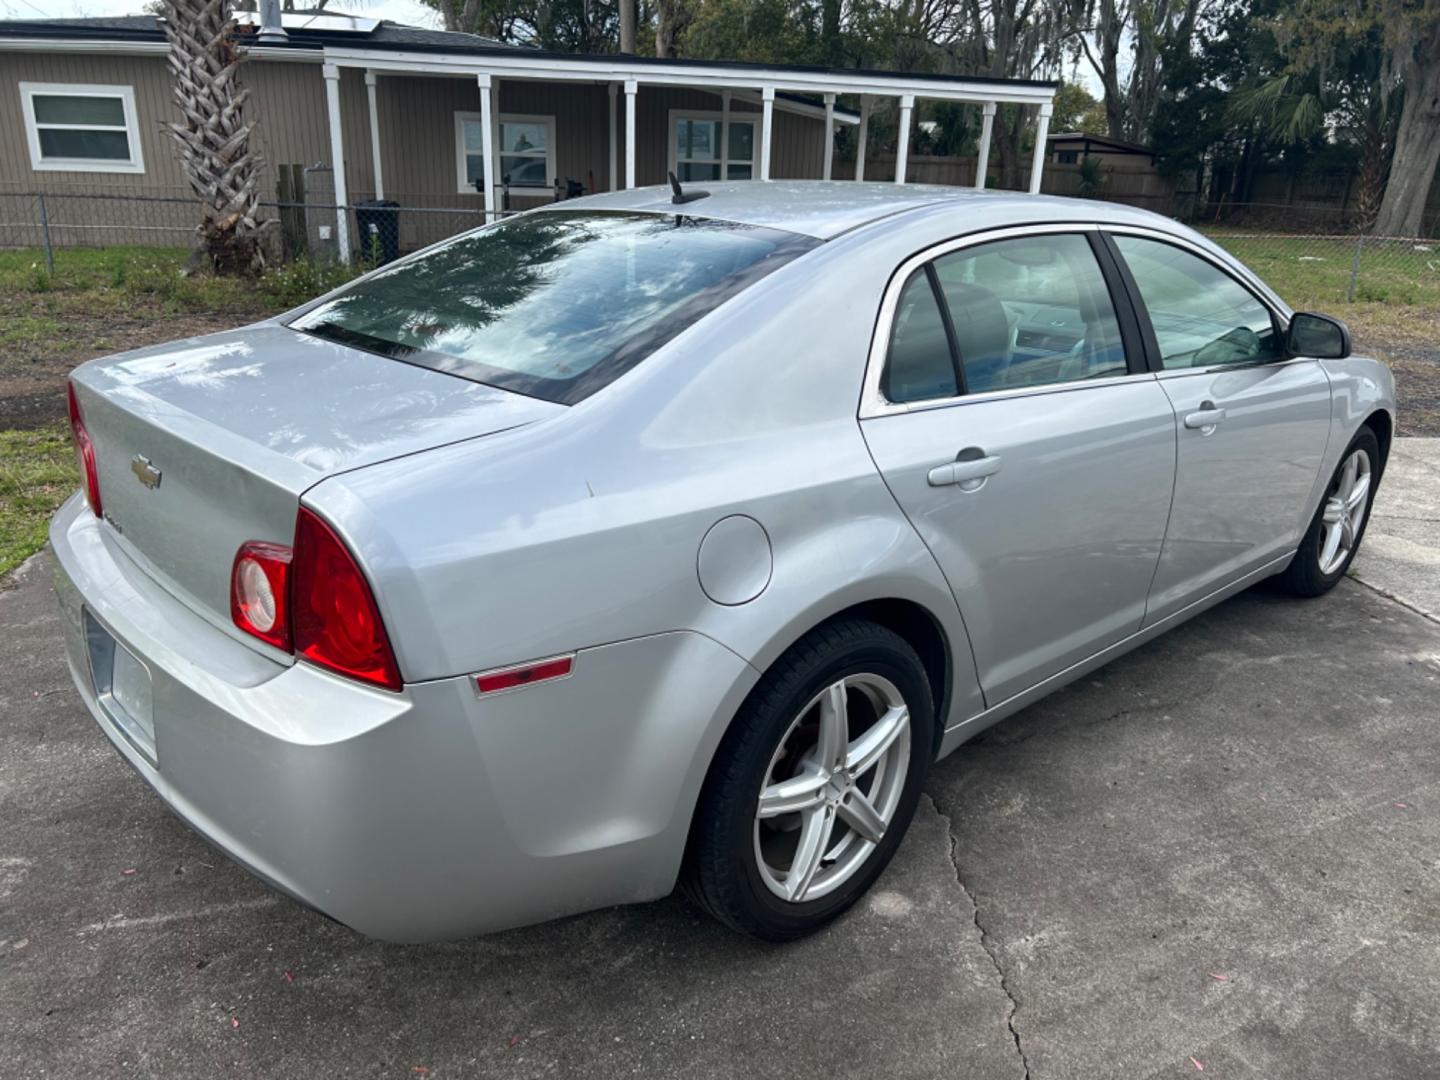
column 1030, row 311
column 1201, row 315
column 553, row 304
column 698, row 153
column 526, row 151
column 82, row 128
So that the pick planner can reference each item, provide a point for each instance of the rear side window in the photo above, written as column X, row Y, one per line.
column 920, row 366
column 555, row 305
column 1031, row 311
column 1201, row 315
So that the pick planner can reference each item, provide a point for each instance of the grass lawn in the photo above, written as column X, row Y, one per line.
column 1397, row 289
column 37, row 473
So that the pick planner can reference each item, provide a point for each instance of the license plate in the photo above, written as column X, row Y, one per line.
column 122, row 687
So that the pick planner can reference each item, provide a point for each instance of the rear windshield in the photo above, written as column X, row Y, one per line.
column 556, row 304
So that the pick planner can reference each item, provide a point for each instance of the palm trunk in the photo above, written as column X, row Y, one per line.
column 213, row 137
column 1417, row 148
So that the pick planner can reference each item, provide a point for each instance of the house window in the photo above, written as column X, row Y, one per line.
column 81, row 128
column 696, row 153
column 527, row 151
column 1067, row 157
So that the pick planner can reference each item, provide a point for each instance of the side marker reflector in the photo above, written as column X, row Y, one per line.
column 512, row 678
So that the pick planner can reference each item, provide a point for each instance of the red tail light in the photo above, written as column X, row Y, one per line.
column 259, row 594
column 313, row 600
column 85, row 451
column 333, row 617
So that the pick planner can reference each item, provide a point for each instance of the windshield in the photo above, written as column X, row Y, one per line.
column 556, row 304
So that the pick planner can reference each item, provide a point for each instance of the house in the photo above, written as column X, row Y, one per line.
column 1075, row 147
column 437, row 119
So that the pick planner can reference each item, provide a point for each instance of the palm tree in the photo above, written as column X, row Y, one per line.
column 213, row 136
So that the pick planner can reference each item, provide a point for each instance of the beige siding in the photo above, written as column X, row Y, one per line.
column 153, row 106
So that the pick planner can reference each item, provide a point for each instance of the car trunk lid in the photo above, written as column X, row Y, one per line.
column 204, row 444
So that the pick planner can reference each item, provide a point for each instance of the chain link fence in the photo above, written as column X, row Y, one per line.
column 1311, row 256
column 54, row 223
column 1325, row 254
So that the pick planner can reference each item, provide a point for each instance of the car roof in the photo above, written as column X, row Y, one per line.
column 827, row 208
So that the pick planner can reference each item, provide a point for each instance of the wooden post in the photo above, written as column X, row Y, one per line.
column 613, row 90
column 487, row 149
column 902, row 143
column 331, row 74
column 829, row 136
column 864, row 131
column 767, row 118
column 987, row 128
column 374, row 135
column 631, row 89
column 1042, row 131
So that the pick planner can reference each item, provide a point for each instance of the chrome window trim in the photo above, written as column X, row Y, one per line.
column 873, row 402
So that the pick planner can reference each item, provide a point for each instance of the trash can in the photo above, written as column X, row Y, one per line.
column 378, row 223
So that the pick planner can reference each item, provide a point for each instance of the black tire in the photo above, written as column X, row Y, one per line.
column 721, row 872
column 1303, row 577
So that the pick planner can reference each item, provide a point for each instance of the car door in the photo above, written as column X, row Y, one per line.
column 1007, row 408
column 1251, row 423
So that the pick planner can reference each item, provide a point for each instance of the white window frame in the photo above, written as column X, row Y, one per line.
column 40, row 163
column 548, row 122
column 753, row 119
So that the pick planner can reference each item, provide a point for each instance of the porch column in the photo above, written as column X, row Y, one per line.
column 614, row 92
column 337, row 160
column 487, row 149
column 829, row 136
column 902, row 143
column 982, row 164
column 374, row 136
column 631, row 88
column 724, row 135
column 864, row 131
column 1042, row 131
column 767, row 117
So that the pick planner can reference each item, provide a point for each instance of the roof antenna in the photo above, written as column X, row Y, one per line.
column 682, row 196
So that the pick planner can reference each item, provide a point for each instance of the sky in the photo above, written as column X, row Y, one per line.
column 403, row 11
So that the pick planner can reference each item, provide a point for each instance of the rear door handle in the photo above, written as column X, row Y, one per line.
column 1204, row 418
column 970, row 475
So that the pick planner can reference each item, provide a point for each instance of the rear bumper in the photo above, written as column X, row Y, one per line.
column 414, row 816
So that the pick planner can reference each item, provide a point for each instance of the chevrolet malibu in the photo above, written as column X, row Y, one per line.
column 647, row 539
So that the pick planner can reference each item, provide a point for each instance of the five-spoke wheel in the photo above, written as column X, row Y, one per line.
column 1335, row 532
column 1344, row 510
column 815, row 782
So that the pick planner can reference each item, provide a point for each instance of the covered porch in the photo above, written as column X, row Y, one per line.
column 534, row 127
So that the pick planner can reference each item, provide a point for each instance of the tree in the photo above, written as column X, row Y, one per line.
column 671, row 19
column 213, row 136
column 580, row 26
column 1138, row 35
column 1073, row 103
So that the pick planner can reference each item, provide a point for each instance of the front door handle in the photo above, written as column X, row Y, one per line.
column 1207, row 416
column 970, row 475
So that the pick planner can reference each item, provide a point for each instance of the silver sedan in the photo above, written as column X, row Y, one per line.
column 630, row 542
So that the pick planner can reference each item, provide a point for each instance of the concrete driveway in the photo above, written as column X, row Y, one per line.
column 1222, row 851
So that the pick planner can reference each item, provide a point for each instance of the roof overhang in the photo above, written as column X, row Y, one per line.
column 713, row 75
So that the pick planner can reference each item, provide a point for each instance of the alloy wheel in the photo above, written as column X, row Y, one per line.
column 832, row 788
column 1344, row 513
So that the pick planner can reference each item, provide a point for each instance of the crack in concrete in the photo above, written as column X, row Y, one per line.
column 985, row 938
column 1392, row 597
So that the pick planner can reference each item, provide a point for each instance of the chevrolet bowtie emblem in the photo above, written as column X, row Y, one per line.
column 146, row 473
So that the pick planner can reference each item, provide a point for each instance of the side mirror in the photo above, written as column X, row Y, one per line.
column 1319, row 336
